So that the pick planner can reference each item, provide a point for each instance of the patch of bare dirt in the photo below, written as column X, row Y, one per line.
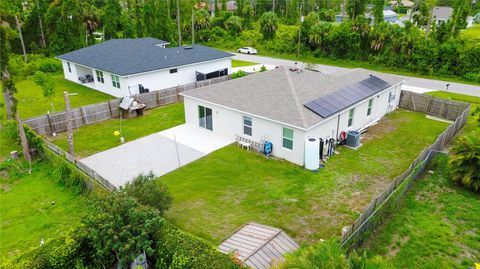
column 383, row 127
column 396, row 245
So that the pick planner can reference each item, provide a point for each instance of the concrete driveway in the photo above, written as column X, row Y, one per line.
column 159, row 153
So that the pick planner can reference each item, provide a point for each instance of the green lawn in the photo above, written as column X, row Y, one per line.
column 436, row 226
column 98, row 137
column 216, row 194
column 26, row 212
column 32, row 103
column 240, row 63
column 472, row 33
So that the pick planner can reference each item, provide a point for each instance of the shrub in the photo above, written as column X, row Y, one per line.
column 239, row 74
column 149, row 192
column 464, row 164
column 71, row 251
column 178, row 249
column 49, row 65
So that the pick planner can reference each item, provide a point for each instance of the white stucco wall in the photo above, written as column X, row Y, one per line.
column 228, row 123
column 185, row 74
column 154, row 80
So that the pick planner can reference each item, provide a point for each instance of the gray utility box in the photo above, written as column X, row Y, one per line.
column 353, row 139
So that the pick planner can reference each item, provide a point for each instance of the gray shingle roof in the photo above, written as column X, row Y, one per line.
column 279, row 94
column 259, row 246
column 131, row 56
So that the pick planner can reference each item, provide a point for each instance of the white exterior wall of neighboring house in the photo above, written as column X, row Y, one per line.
column 162, row 79
column 228, row 123
column 155, row 80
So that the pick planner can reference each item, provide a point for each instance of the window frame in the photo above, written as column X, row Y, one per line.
column 246, row 126
column 115, row 81
column 206, row 121
column 351, row 115
column 173, row 70
column 99, row 75
column 69, row 67
column 370, row 106
column 286, row 138
column 391, row 96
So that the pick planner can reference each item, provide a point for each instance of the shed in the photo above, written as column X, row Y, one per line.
column 259, row 246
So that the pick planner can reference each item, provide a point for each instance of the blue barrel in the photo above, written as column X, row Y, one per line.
column 267, row 148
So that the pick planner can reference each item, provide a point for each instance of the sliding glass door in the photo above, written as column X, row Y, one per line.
column 205, row 117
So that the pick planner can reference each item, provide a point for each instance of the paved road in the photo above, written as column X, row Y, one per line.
column 411, row 81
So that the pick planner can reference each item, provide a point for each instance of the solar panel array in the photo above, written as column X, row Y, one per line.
column 332, row 103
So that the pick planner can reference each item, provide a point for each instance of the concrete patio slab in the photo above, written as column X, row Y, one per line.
column 159, row 153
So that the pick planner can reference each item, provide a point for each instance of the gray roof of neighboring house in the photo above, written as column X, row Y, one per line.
column 442, row 13
column 280, row 94
column 259, row 246
column 131, row 56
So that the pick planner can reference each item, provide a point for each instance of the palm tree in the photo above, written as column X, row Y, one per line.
column 318, row 33
column 464, row 164
column 268, row 24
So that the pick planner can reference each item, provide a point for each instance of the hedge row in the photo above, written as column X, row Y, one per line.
column 175, row 249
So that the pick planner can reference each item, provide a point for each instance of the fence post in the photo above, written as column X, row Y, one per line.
column 110, row 109
column 83, row 115
column 50, row 123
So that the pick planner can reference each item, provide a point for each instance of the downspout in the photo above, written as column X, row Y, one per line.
column 338, row 125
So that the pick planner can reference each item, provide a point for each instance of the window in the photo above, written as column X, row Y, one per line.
column 391, row 97
column 172, row 71
column 205, row 118
column 69, row 68
column 351, row 112
column 287, row 138
column 116, row 81
column 99, row 76
column 247, row 125
column 370, row 105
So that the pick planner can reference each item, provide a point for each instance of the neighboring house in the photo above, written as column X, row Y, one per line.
column 271, row 106
column 118, row 66
column 230, row 5
column 442, row 14
column 388, row 15
column 405, row 3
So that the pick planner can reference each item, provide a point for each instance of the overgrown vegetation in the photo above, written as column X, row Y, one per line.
column 329, row 255
column 464, row 164
column 436, row 225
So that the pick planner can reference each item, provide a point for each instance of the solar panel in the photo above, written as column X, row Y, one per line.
column 332, row 103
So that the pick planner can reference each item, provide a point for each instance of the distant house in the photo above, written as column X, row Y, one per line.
column 388, row 15
column 405, row 3
column 442, row 14
column 123, row 67
column 231, row 6
column 288, row 107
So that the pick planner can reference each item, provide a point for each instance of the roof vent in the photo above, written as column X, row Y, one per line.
column 188, row 48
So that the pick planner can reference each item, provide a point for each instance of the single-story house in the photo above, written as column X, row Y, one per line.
column 119, row 66
column 231, row 6
column 388, row 16
column 405, row 3
column 287, row 107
